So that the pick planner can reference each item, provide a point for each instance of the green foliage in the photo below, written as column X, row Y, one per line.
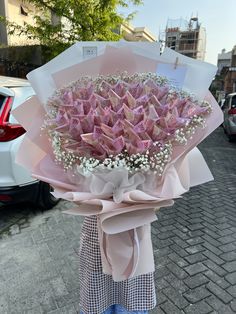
column 74, row 20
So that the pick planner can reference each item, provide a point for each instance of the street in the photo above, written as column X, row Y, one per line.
column 194, row 247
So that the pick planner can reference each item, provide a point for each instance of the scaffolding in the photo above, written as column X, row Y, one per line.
column 186, row 37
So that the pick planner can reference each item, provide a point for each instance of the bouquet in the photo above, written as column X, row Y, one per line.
column 116, row 134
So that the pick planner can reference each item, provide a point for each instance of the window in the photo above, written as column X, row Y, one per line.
column 233, row 102
column 2, row 99
column 171, row 42
column 23, row 10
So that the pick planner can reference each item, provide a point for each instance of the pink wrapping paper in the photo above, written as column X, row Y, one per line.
column 125, row 225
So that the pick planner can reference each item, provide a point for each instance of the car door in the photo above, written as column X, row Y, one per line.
column 232, row 114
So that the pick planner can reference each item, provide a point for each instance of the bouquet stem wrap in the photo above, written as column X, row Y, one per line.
column 114, row 248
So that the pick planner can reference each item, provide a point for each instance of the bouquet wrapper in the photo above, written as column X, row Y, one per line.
column 124, row 226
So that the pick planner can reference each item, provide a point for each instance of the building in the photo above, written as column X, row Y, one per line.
column 186, row 37
column 223, row 60
column 229, row 74
column 225, row 80
column 17, row 11
column 130, row 33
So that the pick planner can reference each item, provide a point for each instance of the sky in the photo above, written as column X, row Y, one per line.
column 217, row 16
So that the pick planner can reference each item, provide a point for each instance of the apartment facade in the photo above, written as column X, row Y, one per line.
column 225, row 81
column 17, row 11
column 230, row 74
column 223, row 60
column 186, row 37
column 131, row 33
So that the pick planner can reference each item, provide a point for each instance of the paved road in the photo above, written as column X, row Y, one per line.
column 194, row 243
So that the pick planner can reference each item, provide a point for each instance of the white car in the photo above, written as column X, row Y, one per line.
column 229, row 110
column 16, row 184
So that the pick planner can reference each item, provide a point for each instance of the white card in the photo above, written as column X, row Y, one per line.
column 175, row 75
column 90, row 52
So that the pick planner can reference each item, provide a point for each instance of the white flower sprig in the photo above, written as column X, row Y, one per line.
column 133, row 163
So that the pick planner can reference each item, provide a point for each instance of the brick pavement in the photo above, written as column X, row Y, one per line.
column 194, row 246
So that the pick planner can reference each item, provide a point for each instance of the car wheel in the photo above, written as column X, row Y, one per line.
column 45, row 199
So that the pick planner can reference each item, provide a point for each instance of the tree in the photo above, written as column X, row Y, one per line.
column 60, row 23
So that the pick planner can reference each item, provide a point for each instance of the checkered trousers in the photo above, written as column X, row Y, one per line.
column 97, row 290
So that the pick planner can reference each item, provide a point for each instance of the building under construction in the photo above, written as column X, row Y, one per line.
column 186, row 37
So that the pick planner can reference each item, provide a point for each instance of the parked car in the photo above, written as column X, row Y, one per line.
column 16, row 184
column 229, row 109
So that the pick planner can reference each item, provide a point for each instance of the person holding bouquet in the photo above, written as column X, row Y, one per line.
column 116, row 135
